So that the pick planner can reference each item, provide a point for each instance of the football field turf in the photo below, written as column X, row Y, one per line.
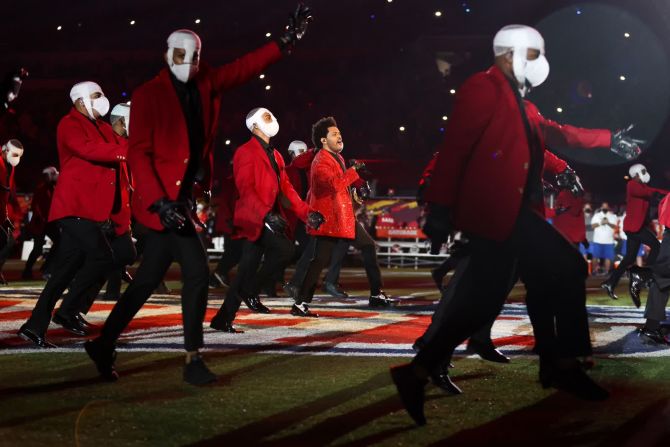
column 302, row 382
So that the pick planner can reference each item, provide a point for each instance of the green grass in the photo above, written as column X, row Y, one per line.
column 55, row 399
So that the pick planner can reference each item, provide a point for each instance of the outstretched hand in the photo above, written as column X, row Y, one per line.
column 625, row 146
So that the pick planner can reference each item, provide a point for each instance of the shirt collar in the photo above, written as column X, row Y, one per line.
column 264, row 145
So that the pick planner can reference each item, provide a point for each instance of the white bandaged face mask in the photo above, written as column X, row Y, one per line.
column 257, row 117
column 518, row 39
column 189, row 42
column 12, row 153
column 83, row 91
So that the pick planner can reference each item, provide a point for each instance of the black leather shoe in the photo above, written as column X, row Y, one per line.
column 39, row 340
column 303, row 311
column 487, row 352
column 441, row 379
column 70, row 324
column 652, row 337
column 126, row 276
column 380, row 300
column 82, row 321
column 411, row 391
column 110, row 297
column 291, row 290
column 197, row 373
column 334, row 291
column 104, row 358
column 437, row 278
column 639, row 278
column 571, row 380
column 223, row 325
column 254, row 304
column 3, row 281
column 609, row 289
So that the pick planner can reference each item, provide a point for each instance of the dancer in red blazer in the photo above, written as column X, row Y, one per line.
column 38, row 228
column 90, row 154
column 657, row 277
column 260, row 221
column 491, row 165
column 12, row 151
column 569, row 219
column 78, row 299
column 175, row 116
column 637, row 224
column 330, row 194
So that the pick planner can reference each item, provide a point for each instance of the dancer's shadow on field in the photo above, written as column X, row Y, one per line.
column 552, row 422
column 328, row 430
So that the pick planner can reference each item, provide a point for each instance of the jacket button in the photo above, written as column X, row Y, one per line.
column 178, row 182
column 520, row 190
column 525, row 166
column 185, row 160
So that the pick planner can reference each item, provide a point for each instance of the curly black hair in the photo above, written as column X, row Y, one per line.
column 320, row 130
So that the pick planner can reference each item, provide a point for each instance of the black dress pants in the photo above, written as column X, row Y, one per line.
column 276, row 250
column 83, row 250
column 232, row 253
column 304, row 262
column 366, row 244
column 322, row 250
column 460, row 263
column 657, row 300
column 554, row 274
column 78, row 299
column 53, row 232
column 160, row 249
column 644, row 236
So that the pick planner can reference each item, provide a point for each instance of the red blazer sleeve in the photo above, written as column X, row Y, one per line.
column 332, row 180
column 246, row 67
column 553, row 164
column 300, row 208
column 565, row 135
column 81, row 145
column 642, row 191
column 473, row 108
column 428, row 170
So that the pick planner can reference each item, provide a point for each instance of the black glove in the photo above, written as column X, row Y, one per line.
column 363, row 191
column 275, row 223
column 569, row 180
column 586, row 244
column 315, row 219
column 296, row 28
column 548, row 188
column 12, row 85
column 173, row 214
column 438, row 226
column 625, row 146
column 360, row 167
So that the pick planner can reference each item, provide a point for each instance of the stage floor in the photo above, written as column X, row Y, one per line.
column 302, row 381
